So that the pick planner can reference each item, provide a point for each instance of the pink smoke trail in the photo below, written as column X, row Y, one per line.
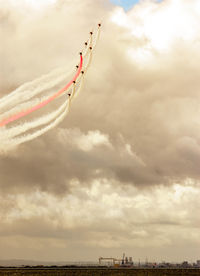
column 38, row 106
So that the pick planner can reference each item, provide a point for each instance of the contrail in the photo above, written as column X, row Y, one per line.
column 14, row 98
column 35, row 87
column 45, row 102
column 17, row 130
column 14, row 131
column 29, row 137
column 30, row 89
column 30, row 97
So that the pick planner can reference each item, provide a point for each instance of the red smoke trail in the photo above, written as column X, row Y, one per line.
column 24, row 113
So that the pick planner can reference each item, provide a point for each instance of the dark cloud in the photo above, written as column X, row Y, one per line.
column 130, row 136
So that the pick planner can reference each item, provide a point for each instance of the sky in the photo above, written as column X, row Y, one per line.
column 121, row 172
column 126, row 4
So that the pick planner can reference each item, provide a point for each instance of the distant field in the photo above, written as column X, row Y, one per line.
column 97, row 272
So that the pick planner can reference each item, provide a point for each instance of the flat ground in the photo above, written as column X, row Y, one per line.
column 97, row 272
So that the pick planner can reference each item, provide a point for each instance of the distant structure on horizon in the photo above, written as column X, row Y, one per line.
column 128, row 262
column 125, row 261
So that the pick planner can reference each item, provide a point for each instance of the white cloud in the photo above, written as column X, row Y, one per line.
column 129, row 216
column 122, row 171
column 85, row 142
column 160, row 26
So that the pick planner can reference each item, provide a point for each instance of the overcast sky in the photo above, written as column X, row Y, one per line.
column 121, row 173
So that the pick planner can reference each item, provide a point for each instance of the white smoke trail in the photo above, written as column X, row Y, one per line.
column 38, row 133
column 37, row 86
column 85, row 69
column 19, row 140
column 30, row 89
column 97, row 38
column 22, row 107
column 76, row 92
column 19, row 129
column 11, row 143
column 22, row 99
column 26, row 105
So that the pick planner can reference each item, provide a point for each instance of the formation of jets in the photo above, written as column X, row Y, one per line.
column 77, row 66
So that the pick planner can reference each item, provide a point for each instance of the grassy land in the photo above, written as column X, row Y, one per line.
column 97, row 272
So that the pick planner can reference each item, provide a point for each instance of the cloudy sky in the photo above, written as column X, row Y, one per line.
column 121, row 172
